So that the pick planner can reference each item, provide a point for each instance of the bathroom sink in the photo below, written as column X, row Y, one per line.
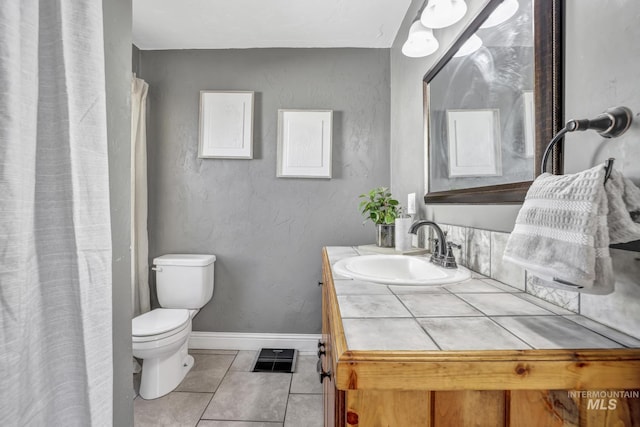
column 399, row 270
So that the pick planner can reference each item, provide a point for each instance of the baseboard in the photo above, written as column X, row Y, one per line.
column 253, row 341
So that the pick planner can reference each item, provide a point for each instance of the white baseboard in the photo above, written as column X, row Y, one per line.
column 249, row 341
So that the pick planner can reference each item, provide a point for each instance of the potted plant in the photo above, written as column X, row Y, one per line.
column 382, row 209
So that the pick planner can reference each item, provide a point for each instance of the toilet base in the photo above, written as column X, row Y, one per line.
column 162, row 375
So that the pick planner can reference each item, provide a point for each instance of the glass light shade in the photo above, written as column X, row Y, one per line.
column 504, row 11
column 443, row 13
column 420, row 42
column 471, row 45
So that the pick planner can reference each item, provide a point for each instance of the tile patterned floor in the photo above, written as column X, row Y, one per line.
column 220, row 391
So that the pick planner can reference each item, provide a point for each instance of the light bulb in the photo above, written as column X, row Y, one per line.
column 471, row 45
column 420, row 42
column 443, row 13
column 500, row 14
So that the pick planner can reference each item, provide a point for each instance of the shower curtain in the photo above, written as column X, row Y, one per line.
column 139, row 236
column 55, row 242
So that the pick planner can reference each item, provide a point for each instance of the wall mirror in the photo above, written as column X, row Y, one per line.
column 492, row 103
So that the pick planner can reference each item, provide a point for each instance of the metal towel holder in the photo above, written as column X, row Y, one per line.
column 610, row 124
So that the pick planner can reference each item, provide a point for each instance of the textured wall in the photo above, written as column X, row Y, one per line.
column 600, row 74
column 117, row 42
column 605, row 74
column 407, row 131
column 267, row 232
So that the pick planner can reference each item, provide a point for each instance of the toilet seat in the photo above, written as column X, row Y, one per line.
column 159, row 323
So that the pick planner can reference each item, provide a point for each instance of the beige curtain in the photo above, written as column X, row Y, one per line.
column 139, row 236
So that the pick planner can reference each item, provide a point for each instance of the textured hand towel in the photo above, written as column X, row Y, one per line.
column 561, row 235
column 624, row 209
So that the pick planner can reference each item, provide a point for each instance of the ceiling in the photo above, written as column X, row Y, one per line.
column 241, row 24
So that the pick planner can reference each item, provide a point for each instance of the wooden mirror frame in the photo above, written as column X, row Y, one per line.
column 548, row 44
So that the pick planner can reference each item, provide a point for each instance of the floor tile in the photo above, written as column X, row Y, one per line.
column 479, row 250
column 472, row 286
column 211, row 351
column 210, row 423
column 336, row 253
column 250, row 396
column 503, row 286
column 386, row 334
column 548, row 332
column 304, row 410
column 503, row 305
column 359, row 287
column 399, row 289
column 371, row 306
column 427, row 305
column 244, row 361
column 470, row 333
column 544, row 304
column 505, row 272
column 176, row 409
column 207, row 372
column 622, row 338
column 305, row 378
column 559, row 297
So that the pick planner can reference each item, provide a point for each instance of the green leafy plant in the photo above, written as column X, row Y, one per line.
column 379, row 206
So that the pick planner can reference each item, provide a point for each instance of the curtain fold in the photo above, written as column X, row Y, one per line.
column 55, row 235
column 139, row 235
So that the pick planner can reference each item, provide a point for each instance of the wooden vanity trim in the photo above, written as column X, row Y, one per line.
column 589, row 369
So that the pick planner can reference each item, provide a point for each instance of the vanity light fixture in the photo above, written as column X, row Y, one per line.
column 420, row 42
column 443, row 13
column 504, row 11
column 472, row 44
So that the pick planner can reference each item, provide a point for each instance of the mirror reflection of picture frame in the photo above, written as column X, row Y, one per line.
column 226, row 124
column 538, row 115
column 474, row 142
column 529, row 123
column 304, row 143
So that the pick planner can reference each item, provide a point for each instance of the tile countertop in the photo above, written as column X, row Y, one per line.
column 478, row 314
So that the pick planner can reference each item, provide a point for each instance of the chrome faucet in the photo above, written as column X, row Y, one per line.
column 443, row 254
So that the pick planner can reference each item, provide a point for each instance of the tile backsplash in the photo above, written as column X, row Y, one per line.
column 481, row 251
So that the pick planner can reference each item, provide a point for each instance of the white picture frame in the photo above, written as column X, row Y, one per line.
column 304, row 143
column 474, row 142
column 226, row 124
column 529, row 123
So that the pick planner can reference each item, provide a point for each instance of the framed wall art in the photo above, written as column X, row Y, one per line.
column 226, row 124
column 304, row 143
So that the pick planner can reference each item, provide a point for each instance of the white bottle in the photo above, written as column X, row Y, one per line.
column 403, row 238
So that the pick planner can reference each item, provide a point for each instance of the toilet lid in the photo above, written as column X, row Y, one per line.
column 159, row 321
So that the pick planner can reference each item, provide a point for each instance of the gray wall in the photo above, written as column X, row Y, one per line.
column 117, row 43
column 597, row 81
column 594, row 82
column 408, row 154
column 267, row 232
column 135, row 59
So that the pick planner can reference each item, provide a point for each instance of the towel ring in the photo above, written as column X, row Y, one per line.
column 610, row 124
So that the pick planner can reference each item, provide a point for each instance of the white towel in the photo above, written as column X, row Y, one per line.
column 624, row 209
column 561, row 235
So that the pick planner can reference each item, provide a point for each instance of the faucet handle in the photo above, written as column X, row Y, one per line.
column 453, row 245
column 449, row 260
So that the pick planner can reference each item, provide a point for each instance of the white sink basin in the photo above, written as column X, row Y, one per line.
column 399, row 270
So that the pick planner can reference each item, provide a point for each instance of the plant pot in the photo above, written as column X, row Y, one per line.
column 385, row 235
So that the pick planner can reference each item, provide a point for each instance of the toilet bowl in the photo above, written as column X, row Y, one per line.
column 160, row 337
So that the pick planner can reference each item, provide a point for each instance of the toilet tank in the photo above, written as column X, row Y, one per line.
column 184, row 280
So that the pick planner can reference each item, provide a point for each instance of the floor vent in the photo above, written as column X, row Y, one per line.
column 275, row 360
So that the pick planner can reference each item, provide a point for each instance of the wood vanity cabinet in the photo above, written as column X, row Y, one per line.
column 519, row 388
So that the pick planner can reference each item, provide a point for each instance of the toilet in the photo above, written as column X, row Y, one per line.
column 184, row 284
